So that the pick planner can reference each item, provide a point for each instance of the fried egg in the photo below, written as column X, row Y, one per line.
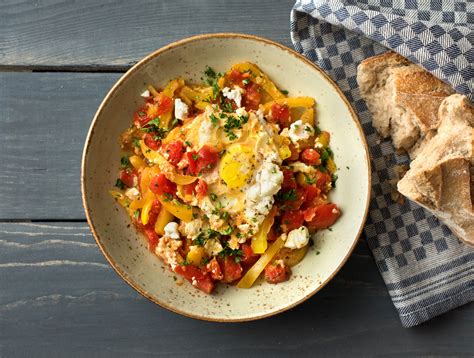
column 240, row 188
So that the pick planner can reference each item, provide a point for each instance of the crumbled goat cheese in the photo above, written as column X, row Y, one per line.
column 180, row 109
column 234, row 94
column 171, row 230
column 132, row 193
column 145, row 94
column 297, row 238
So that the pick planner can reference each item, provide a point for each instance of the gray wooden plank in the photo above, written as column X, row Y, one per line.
column 43, row 125
column 58, row 297
column 118, row 33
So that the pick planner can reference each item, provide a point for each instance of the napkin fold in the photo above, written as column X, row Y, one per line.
column 426, row 269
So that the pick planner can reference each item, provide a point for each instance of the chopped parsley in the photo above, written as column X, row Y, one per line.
column 234, row 123
column 195, row 157
column 154, row 127
column 289, row 195
column 168, row 197
column 120, row 184
column 227, row 107
column 325, row 156
column 245, row 82
column 214, row 120
column 125, row 163
column 227, row 231
column 213, row 196
column 188, row 143
column 309, row 180
column 136, row 142
column 285, row 92
column 236, row 253
column 333, row 180
column 203, row 236
column 136, row 213
column 212, row 79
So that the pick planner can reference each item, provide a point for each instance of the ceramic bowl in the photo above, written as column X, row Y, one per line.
column 127, row 251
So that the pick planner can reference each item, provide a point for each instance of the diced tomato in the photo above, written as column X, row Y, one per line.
column 232, row 269
column 252, row 96
column 196, row 276
column 140, row 117
column 207, row 158
column 237, row 77
column 165, row 104
column 188, row 189
column 128, row 177
column 192, row 162
column 151, row 142
column 276, row 272
column 311, row 192
column 310, row 156
column 214, row 269
column 281, row 115
column 321, row 217
column 160, row 184
column 153, row 215
column 292, row 220
column 289, row 181
column 249, row 257
column 152, row 238
column 201, row 188
column 322, row 180
column 175, row 151
column 297, row 199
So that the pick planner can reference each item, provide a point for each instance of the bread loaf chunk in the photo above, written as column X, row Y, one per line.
column 440, row 177
column 403, row 98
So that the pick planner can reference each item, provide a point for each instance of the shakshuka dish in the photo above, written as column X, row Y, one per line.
column 227, row 180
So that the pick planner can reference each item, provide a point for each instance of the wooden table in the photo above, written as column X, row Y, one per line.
column 58, row 296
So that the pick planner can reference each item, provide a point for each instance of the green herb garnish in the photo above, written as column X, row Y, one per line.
column 125, row 163
column 285, row 92
column 120, row 184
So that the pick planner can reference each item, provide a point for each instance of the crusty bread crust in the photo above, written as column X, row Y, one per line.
column 402, row 97
column 441, row 176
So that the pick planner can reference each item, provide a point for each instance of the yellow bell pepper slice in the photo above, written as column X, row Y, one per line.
column 137, row 162
column 259, row 242
column 308, row 116
column 331, row 166
column 251, row 276
column 323, row 138
column 121, row 199
column 148, row 203
column 284, row 152
column 195, row 255
column 145, row 178
column 181, row 211
column 259, row 78
column 164, row 217
column 172, row 87
column 292, row 102
column 152, row 90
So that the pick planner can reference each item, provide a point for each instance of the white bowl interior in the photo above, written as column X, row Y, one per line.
column 128, row 251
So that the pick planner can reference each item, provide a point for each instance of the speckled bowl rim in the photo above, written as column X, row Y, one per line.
column 124, row 78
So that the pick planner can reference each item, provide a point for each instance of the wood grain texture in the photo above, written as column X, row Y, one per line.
column 43, row 125
column 59, row 297
column 115, row 34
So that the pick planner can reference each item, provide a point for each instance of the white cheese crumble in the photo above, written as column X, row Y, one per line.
column 132, row 193
column 145, row 94
column 213, row 247
column 192, row 228
column 241, row 112
column 302, row 167
column 297, row 238
column 167, row 249
column 171, row 230
column 180, row 109
column 299, row 131
column 234, row 94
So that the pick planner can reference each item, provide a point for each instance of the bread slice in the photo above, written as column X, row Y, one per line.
column 440, row 177
column 402, row 97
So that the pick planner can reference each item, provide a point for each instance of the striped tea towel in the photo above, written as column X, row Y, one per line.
column 426, row 269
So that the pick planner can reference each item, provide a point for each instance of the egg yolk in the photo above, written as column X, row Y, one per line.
column 236, row 165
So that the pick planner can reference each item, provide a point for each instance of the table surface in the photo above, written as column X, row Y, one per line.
column 58, row 296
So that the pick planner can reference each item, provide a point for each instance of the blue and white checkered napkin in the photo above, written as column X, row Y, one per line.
column 426, row 269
